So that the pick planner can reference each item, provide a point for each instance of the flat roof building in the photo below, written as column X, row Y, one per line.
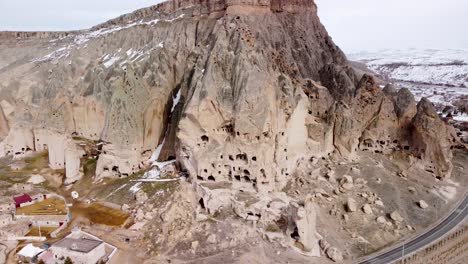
column 19, row 200
column 80, row 247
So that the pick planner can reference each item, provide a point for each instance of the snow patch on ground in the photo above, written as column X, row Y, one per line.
column 461, row 117
column 441, row 67
column 135, row 188
column 36, row 179
column 439, row 75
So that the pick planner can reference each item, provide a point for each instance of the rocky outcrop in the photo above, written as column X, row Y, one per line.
column 260, row 86
column 431, row 139
column 305, row 220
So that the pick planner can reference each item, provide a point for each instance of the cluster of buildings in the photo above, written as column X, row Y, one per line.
column 14, row 226
column 79, row 246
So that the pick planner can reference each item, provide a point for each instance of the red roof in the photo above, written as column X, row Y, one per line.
column 25, row 198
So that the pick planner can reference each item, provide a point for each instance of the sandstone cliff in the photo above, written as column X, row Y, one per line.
column 262, row 86
column 243, row 93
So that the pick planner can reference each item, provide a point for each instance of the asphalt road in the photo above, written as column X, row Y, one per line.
column 457, row 216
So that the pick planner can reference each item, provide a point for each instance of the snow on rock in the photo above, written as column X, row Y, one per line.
column 175, row 100
column 461, row 117
column 135, row 188
column 111, row 61
column 161, row 165
column 155, row 156
column 83, row 38
column 63, row 52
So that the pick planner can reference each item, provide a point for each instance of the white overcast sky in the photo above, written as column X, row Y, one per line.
column 354, row 24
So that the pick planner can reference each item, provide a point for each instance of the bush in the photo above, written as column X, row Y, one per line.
column 68, row 261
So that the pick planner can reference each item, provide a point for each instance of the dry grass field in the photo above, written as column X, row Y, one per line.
column 100, row 214
column 45, row 231
column 51, row 206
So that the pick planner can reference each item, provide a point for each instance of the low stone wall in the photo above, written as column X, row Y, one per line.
column 451, row 249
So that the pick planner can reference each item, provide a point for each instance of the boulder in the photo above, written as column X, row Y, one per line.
column 351, row 205
column 212, row 239
column 423, row 204
column 395, row 216
column 334, row 254
column 367, row 209
column 379, row 203
column 125, row 208
column 347, row 182
column 141, row 196
column 324, row 245
column 381, row 220
column 140, row 215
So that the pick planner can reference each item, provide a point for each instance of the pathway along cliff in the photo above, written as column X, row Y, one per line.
column 277, row 133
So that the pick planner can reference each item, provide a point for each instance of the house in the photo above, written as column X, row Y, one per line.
column 49, row 220
column 81, row 247
column 29, row 253
column 22, row 200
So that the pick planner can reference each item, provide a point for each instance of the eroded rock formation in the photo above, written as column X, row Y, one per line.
column 242, row 92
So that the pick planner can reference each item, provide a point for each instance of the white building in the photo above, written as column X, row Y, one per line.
column 80, row 247
column 29, row 252
column 45, row 220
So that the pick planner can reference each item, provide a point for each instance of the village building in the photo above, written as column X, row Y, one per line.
column 22, row 200
column 29, row 253
column 80, row 247
column 49, row 220
column 45, row 220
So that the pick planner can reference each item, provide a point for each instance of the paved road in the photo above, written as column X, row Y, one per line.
column 457, row 216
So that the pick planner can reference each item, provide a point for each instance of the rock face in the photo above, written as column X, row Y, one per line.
column 260, row 85
column 432, row 139
column 239, row 92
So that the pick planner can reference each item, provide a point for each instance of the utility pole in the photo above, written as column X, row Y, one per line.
column 40, row 235
column 403, row 253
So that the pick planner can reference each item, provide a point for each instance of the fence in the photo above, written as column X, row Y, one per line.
column 451, row 249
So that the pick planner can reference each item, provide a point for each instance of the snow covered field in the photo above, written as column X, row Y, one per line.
column 439, row 75
column 439, row 67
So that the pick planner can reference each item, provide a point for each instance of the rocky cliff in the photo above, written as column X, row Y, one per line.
column 243, row 93
column 261, row 85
